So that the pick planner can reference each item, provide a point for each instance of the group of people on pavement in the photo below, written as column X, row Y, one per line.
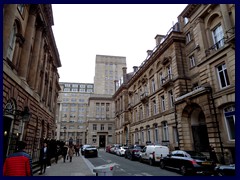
column 20, row 162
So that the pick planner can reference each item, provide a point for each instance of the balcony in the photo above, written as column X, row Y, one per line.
column 167, row 80
column 144, row 97
column 215, row 47
column 130, row 106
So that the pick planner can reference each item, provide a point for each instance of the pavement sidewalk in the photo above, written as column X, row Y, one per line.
column 78, row 167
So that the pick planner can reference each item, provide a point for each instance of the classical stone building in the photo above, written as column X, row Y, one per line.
column 183, row 94
column 72, row 111
column 107, row 69
column 100, row 120
column 30, row 76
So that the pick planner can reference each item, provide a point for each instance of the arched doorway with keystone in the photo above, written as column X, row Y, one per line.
column 194, row 128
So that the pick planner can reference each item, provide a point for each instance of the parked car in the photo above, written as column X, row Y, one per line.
column 90, row 151
column 121, row 150
column 153, row 153
column 225, row 170
column 188, row 162
column 108, row 147
column 133, row 152
column 84, row 147
column 114, row 148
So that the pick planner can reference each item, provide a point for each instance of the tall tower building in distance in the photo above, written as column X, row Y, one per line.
column 107, row 70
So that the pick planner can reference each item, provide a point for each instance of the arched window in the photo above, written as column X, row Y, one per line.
column 12, row 42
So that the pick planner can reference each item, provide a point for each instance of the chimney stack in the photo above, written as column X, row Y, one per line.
column 159, row 38
column 124, row 69
column 135, row 68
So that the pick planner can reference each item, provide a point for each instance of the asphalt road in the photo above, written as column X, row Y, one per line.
column 126, row 167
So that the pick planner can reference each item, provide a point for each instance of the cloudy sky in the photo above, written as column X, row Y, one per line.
column 83, row 31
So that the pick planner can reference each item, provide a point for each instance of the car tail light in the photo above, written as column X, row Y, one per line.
column 193, row 162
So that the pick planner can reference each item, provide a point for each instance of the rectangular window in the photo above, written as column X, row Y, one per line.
column 67, row 85
column 171, row 100
column 153, row 86
column 142, row 136
column 75, row 85
column 223, row 76
column 188, row 37
column 163, row 103
column 229, row 114
column 147, row 110
column 94, row 127
column 156, row 134
column 192, row 61
column 149, row 135
column 218, row 37
column 102, row 127
column 165, row 131
column 154, row 107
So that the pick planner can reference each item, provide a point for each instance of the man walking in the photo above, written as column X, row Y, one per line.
column 18, row 163
column 44, row 156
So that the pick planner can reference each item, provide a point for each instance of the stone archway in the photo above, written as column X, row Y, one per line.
column 193, row 121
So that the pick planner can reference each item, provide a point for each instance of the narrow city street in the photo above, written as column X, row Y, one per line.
column 126, row 167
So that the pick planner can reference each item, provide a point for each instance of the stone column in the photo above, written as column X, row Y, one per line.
column 9, row 18
column 24, row 60
column 226, row 18
column 35, row 57
column 44, row 69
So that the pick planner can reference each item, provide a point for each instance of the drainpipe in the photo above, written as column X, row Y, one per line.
column 176, row 122
column 218, row 130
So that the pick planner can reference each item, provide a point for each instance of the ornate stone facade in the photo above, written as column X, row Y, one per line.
column 30, row 75
column 183, row 94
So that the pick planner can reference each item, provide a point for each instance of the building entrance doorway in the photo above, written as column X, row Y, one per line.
column 6, row 134
column 102, row 141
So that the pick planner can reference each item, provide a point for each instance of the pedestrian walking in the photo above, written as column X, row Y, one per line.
column 77, row 147
column 18, row 163
column 71, row 151
column 57, row 153
column 212, row 154
column 44, row 157
column 64, row 152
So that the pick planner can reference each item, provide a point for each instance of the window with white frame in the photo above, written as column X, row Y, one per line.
column 75, row 85
column 165, row 131
column 223, row 76
column 12, row 42
column 66, row 89
column 188, row 37
column 67, row 85
column 141, row 113
column 136, row 136
column 169, row 72
column 175, row 135
column 186, row 20
column 218, row 36
column 161, row 78
column 171, row 100
column 20, row 8
column 229, row 113
column 192, row 61
column 163, row 103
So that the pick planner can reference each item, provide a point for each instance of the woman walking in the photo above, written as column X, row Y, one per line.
column 71, row 151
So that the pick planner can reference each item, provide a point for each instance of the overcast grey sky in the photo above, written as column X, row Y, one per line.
column 82, row 31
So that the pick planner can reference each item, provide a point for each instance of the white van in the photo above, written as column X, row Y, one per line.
column 153, row 153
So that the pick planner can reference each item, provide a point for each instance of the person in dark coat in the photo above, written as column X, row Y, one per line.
column 57, row 153
column 18, row 163
column 212, row 154
column 44, row 157
column 64, row 152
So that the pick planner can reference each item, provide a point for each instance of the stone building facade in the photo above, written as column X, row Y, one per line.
column 71, row 114
column 30, row 75
column 183, row 94
column 100, row 121
column 107, row 69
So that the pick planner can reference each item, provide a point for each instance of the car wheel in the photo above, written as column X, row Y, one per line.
column 162, row 165
column 183, row 170
column 151, row 162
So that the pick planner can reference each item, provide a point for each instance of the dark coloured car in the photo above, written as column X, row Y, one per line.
column 90, row 151
column 188, row 162
column 84, row 147
column 225, row 170
column 133, row 152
